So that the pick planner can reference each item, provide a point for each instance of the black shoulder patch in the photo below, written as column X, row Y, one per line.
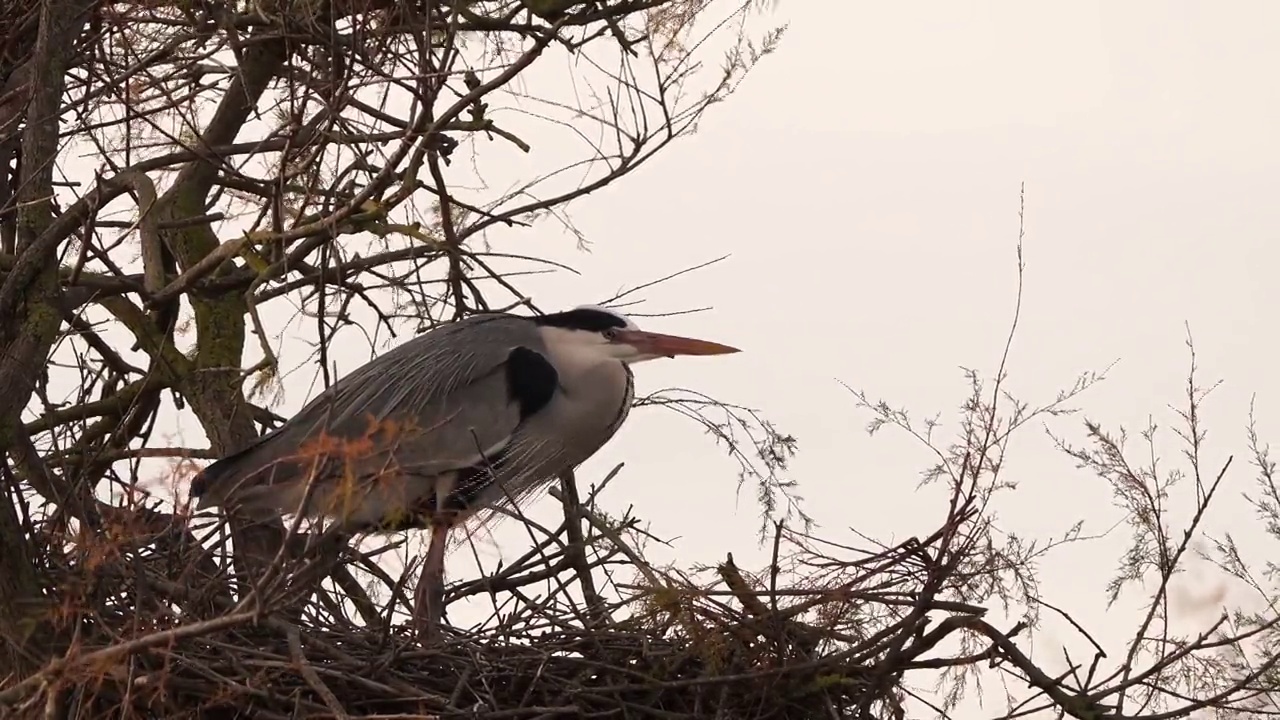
column 531, row 380
column 582, row 319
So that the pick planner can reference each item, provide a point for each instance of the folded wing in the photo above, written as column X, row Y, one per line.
column 416, row 422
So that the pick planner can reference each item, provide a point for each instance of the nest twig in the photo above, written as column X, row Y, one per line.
column 146, row 638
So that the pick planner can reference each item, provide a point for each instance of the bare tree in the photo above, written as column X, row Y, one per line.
column 186, row 182
column 1165, row 669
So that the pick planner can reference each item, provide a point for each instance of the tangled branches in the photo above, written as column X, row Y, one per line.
column 163, row 642
column 185, row 184
column 583, row 625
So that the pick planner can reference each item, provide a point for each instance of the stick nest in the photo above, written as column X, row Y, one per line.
column 582, row 625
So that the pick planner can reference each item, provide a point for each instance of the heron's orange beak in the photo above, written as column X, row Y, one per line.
column 651, row 343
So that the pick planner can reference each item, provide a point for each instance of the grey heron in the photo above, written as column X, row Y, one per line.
column 470, row 415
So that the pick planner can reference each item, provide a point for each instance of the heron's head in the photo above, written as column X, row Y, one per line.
column 614, row 335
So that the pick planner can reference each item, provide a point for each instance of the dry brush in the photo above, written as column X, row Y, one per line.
column 182, row 182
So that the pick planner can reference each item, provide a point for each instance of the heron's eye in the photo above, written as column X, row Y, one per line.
column 611, row 334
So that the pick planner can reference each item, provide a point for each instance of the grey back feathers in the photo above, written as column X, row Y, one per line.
column 469, row 414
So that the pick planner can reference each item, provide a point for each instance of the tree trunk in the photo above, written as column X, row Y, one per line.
column 29, row 321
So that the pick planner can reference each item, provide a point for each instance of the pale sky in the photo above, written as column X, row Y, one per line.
column 865, row 180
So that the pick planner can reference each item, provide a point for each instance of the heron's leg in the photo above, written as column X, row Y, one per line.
column 429, row 599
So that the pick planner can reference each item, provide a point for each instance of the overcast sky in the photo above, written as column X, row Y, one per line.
column 865, row 181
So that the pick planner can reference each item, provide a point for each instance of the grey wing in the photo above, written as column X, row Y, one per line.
column 439, row 403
